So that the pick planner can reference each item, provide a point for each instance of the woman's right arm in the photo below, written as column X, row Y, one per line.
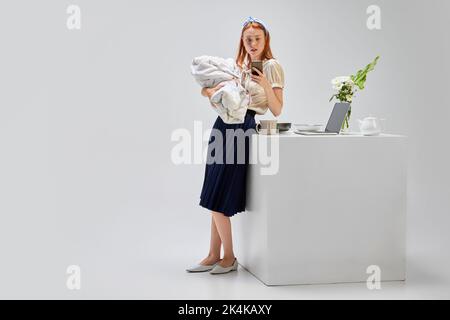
column 208, row 92
column 205, row 92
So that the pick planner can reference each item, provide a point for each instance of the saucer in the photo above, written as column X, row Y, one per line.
column 297, row 130
column 263, row 132
column 351, row 133
column 307, row 127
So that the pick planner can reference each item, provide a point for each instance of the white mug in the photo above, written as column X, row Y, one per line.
column 267, row 127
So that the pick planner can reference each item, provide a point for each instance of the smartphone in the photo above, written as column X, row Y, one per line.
column 258, row 65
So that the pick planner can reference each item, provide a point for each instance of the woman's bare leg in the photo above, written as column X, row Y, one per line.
column 214, row 247
column 223, row 225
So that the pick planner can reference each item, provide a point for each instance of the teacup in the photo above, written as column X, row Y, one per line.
column 267, row 127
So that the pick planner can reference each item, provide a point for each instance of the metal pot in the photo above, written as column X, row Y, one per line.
column 283, row 126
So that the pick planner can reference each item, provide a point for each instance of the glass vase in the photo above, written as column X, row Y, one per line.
column 345, row 124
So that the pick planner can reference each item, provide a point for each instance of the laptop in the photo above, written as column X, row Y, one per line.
column 334, row 124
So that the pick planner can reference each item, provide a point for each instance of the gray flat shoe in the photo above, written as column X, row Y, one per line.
column 201, row 267
column 218, row 269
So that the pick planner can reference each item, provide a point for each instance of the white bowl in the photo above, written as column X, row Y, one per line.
column 307, row 127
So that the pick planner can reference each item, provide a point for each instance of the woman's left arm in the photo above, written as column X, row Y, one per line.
column 274, row 95
column 274, row 99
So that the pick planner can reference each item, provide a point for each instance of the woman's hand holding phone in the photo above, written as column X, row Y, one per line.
column 260, row 78
column 258, row 65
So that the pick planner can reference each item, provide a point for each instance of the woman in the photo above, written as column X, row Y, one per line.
column 224, row 185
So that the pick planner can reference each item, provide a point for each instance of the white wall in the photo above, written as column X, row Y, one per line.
column 86, row 118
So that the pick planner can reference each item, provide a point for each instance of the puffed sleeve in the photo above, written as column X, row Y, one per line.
column 274, row 73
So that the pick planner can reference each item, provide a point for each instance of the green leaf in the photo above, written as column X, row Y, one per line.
column 360, row 78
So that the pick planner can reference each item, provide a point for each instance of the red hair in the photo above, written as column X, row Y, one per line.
column 243, row 56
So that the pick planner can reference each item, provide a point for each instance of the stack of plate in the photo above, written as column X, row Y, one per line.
column 307, row 127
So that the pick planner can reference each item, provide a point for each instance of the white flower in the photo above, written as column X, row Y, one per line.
column 350, row 83
column 339, row 80
column 337, row 86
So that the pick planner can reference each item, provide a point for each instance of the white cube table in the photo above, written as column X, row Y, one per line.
column 336, row 206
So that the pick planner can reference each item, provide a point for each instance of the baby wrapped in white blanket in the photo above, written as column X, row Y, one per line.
column 231, row 100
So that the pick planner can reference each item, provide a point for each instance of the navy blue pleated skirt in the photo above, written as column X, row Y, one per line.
column 225, row 181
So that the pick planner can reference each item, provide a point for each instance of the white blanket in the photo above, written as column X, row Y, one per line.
column 231, row 100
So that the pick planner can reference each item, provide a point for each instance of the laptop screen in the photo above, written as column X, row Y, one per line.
column 337, row 117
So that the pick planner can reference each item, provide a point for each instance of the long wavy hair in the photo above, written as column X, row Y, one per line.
column 243, row 58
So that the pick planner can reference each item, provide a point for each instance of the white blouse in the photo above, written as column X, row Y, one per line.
column 275, row 75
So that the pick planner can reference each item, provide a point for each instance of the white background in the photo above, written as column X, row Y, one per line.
column 86, row 118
